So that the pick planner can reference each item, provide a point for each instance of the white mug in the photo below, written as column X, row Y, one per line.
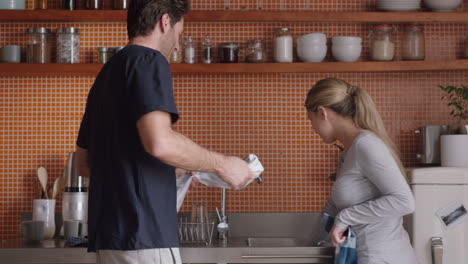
column 10, row 53
column 44, row 210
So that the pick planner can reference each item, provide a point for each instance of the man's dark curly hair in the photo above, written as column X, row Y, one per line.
column 143, row 15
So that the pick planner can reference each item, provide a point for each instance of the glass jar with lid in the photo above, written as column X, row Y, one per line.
column 121, row 4
column 465, row 51
column 382, row 45
column 413, row 47
column 68, row 45
column 255, row 51
column 283, row 45
column 104, row 54
column 39, row 45
column 228, row 52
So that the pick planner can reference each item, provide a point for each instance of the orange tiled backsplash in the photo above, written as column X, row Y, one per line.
column 234, row 114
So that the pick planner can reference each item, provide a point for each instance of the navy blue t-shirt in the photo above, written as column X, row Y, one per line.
column 132, row 195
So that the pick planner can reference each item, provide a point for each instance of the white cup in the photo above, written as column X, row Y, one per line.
column 32, row 230
column 11, row 54
column 44, row 210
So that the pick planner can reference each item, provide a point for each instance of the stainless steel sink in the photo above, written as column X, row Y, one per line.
column 274, row 242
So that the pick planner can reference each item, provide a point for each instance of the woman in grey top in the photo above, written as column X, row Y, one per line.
column 370, row 193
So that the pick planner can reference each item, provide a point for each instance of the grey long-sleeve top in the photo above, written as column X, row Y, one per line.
column 371, row 195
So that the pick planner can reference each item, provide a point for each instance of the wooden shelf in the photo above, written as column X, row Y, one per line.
column 238, row 16
column 29, row 69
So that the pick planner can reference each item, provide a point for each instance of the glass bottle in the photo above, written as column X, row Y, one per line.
column 69, row 4
column 255, row 51
column 40, row 4
column 39, row 47
column 382, row 46
column 465, row 53
column 68, row 45
column 207, row 50
column 94, row 4
column 283, row 45
column 189, row 50
column 121, row 4
column 228, row 52
column 413, row 43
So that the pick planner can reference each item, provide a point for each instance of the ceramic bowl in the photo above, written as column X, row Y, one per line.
column 346, row 53
column 442, row 5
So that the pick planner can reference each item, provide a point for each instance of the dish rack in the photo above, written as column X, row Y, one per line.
column 196, row 233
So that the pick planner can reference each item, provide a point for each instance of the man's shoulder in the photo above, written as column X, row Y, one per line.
column 142, row 54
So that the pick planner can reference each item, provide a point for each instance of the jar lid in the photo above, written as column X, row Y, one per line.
column 103, row 49
column 117, row 49
column 229, row 44
column 383, row 26
column 38, row 30
column 410, row 26
column 69, row 30
column 255, row 41
column 283, row 29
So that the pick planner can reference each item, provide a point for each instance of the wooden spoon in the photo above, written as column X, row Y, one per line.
column 42, row 176
column 57, row 187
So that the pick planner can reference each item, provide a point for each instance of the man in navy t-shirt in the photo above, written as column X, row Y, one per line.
column 127, row 146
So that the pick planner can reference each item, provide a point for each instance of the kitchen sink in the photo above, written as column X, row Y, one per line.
column 274, row 242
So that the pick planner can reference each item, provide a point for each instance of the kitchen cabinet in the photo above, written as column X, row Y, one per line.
column 23, row 69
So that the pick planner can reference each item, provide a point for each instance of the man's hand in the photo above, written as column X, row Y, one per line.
column 181, row 172
column 235, row 172
column 336, row 235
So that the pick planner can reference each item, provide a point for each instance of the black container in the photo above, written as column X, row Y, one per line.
column 69, row 4
column 228, row 52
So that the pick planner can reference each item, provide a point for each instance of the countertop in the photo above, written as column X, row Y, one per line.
column 16, row 251
column 302, row 226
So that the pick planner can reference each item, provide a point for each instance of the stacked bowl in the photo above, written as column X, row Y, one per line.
column 442, row 5
column 12, row 4
column 312, row 47
column 347, row 49
column 399, row 5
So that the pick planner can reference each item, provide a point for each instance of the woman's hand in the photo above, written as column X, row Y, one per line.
column 336, row 235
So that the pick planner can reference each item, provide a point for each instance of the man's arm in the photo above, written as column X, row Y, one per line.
column 171, row 147
column 81, row 162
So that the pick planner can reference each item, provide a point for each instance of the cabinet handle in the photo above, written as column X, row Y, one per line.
column 437, row 250
column 285, row 256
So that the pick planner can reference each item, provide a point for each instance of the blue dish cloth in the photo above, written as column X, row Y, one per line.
column 346, row 251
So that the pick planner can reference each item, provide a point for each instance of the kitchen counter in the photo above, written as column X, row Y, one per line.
column 236, row 250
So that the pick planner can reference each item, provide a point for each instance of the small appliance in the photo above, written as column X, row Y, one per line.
column 75, row 196
column 429, row 144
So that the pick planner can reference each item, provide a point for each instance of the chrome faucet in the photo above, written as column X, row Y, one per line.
column 223, row 226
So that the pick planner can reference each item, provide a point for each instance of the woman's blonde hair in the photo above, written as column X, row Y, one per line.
column 351, row 101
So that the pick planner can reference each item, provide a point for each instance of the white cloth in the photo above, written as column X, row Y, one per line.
column 141, row 256
column 213, row 180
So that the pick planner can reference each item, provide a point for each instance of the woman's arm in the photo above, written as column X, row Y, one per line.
column 377, row 164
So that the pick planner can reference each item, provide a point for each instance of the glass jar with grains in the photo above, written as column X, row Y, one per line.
column 413, row 43
column 382, row 46
column 39, row 47
column 68, row 45
column 255, row 51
